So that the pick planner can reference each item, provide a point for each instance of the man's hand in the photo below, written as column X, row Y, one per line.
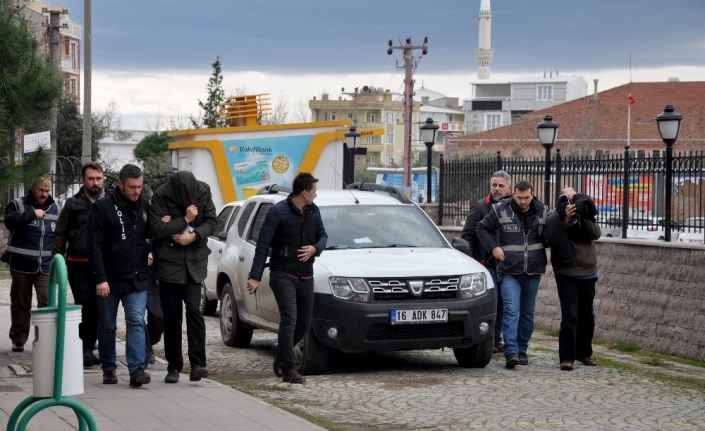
column 102, row 289
column 40, row 214
column 570, row 211
column 184, row 238
column 306, row 252
column 252, row 285
column 498, row 253
column 166, row 218
column 150, row 259
column 191, row 213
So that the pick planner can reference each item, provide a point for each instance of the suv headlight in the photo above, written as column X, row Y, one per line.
column 350, row 289
column 473, row 285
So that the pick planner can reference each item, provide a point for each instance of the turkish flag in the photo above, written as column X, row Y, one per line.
column 631, row 100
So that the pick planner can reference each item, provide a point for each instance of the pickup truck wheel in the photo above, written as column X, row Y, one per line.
column 232, row 329
column 207, row 306
column 477, row 356
column 310, row 356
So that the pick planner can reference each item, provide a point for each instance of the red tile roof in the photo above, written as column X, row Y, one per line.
column 602, row 124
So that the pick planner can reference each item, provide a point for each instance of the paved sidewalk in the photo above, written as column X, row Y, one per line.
column 204, row 406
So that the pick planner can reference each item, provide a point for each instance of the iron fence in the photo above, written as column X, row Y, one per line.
column 463, row 182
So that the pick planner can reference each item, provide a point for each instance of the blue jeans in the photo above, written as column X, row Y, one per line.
column 519, row 298
column 134, row 304
column 295, row 301
column 500, row 306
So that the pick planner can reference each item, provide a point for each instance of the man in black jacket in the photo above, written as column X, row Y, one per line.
column 500, row 187
column 118, row 254
column 182, row 218
column 513, row 233
column 70, row 239
column 294, row 230
column 31, row 220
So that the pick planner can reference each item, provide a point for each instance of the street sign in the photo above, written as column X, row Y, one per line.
column 34, row 141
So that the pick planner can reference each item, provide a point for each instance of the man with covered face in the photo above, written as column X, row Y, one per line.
column 182, row 218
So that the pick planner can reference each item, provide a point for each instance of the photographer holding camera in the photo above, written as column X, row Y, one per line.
column 571, row 231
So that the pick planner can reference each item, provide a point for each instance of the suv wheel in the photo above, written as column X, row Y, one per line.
column 207, row 306
column 310, row 356
column 233, row 331
column 476, row 356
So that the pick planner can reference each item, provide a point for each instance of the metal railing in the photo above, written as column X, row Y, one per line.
column 463, row 182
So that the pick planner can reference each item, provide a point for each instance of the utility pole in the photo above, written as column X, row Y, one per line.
column 354, row 95
column 86, row 155
column 54, row 32
column 409, row 68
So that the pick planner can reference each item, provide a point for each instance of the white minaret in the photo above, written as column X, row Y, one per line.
column 484, row 52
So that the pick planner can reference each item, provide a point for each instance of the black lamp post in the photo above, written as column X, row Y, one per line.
column 548, row 130
column 669, row 124
column 351, row 142
column 428, row 135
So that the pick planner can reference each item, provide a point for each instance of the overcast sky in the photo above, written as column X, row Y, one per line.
column 155, row 56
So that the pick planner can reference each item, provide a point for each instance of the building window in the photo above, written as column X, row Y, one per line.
column 390, row 117
column 492, row 121
column 370, row 160
column 641, row 154
column 370, row 117
column 390, row 159
column 331, row 116
column 350, row 115
column 72, row 87
column 544, row 92
column 74, row 58
column 390, row 138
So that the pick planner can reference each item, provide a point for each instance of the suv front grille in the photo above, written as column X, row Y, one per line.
column 383, row 331
column 399, row 289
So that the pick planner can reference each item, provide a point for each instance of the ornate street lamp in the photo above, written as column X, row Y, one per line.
column 428, row 135
column 351, row 142
column 669, row 124
column 548, row 130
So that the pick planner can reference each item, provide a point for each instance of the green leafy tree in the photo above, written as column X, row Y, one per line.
column 69, row 133
column 30, row 85
column 155, row 145
column 215, row 99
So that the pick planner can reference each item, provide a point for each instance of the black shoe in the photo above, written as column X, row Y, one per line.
column 109, row 378
column 150, row 359
column 277, row 365
column 139, row 377
column 90, row 359
column 292, row 376
column 197, row 373
column 172, row 376
column 523, row 359
column 512, row 361
column 17, row 347
column 498, row 347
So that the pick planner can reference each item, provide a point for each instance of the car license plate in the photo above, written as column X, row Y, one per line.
column 429, row 315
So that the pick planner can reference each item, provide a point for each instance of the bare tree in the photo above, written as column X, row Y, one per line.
column 301, row 112
column 110, row 117
column 279, row 114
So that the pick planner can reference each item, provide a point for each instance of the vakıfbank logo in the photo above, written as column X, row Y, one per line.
column 233, row 148
column 251, row 149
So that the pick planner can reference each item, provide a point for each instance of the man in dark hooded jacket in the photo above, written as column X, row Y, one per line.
column 183, row 218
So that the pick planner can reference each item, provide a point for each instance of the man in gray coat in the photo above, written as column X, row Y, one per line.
column 182, row 218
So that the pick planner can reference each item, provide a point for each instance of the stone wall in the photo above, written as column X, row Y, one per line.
column 648, row 293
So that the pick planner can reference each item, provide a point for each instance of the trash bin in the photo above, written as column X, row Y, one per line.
column 45, row 319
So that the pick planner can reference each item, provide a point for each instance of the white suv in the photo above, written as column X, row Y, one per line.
column 388, row 280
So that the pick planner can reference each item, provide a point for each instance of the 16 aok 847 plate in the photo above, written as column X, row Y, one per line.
column 429, row 315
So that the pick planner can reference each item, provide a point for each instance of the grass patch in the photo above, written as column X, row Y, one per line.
column 652, row 360
column 552, row 332
column 678, row 381
column 625, row 346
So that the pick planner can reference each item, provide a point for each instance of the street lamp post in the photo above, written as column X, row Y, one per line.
column 669, row 124
column 428, row 135
column 351, row 142
column 548, row 130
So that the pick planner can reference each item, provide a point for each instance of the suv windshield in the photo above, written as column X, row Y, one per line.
column 362, row 226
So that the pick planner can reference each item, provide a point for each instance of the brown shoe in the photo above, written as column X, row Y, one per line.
column 291, row 376
column 567, row 366
column 587, row 361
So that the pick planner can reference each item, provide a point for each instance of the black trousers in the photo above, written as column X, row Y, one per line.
column 154, row 326
column 21, row 302
column 83, row 289
column 295, row 301
column 172, row 297
column 577, row 317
